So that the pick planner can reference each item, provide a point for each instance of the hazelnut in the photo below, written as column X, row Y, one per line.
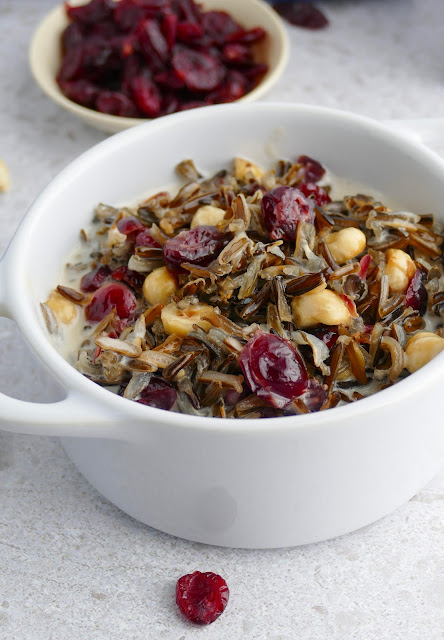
column 320, row 306
column 159, row 286
column 421, row 348
column 207, row 215
column 65, row 310
column 180, row 321
column 246, row 170
column 346, row 244
column 400, row 269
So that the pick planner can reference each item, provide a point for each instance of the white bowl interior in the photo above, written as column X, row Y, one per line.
column 45, row 56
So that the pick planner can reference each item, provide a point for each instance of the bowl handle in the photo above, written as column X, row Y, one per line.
column 74, row 416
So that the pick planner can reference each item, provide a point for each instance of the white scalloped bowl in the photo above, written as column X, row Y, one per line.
column 45, row 57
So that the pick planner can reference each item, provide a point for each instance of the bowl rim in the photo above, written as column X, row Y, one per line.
column 52, row 90
column 23, row 311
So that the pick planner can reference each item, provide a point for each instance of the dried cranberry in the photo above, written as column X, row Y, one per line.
column 189, row 10
column 152, row 41
column 416, row 295
column 188, row 31
column 254, row 71
column 219, row 25
column 115, row 103
column 199, row 71
column 234, row 87
column 159, row 394
column 314, row 396
column 169, row 79
column 130, row 224
column 94, row 279
column 145, row 239
column 301, row 14
column 111, row 296
column 93, row 12
column 235, row 53
column 319, row 195
column 168, row 27
column 129, row 13
column 146, row 95
column 247, row 37
column 312, row 169
column 198, row 246
column 72, row 65
column 133, row 278
column 273, row 369
column 202, row 597
column 72, row 36
column 283, row 208
column 364, row 264
column 328, row 335
column 80, row 91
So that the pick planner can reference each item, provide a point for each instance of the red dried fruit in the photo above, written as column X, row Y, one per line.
column 283, row 208
column 133, row 278
column 115, row 103
column 145, row 239
column 152, row 41
column 169, row 29
column 416, row 295
column 234, row 87
column 111, row 296
column 273, row 369
column 158, row 394
column 80, row 91
column 219, row 25
column 130, row 224
column 247, row 37
column 146, row 95
column 199, row 71
column 235, row 53
column 312, row 169
column 198, row 246
column 189, row 10
column 72, row 37
column 319, row 195
column 364, row 265
column 94, row 279
column 314, row 396
column 91, row 13
column 202, row 597
column 188, row 31
column 301, row 14
column 72, row 65
column 328, row 335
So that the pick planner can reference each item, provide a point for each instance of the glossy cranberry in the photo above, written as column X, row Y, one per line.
column 159, row 394
column 198, row 246
column 301, row 14
column 234, row 87
column 130, row 224
column 81, row 91
column 94, row 279
column 133, row 278
column 311, row 190
column 416, row 295
column 273, row 369
column 169, row 29
column 145, row 239
column 283, row 208
column 200, row 71
column 328, row 335
column 314, row 396
column 116, row 103
column 188, row 31
column 247, row 37
column 111, row 296
column 235, row 53
column 202, row 597
column 313, row 170
column 90, row 13
column 219, row 25
column 189, row 10
column 146, row 95
column 152, row 41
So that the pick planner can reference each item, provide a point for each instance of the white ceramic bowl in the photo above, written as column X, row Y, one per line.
column 45, row 56
column 242, row 483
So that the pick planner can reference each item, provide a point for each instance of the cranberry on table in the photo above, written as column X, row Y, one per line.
column 273, row 369
column 416, row 295
column 202, row 597
column 198, row 246
column 94, row 279
column 283, row 208
column 108, row 297
column 301, row 14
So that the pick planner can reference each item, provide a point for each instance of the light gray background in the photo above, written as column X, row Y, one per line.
column 72, row 565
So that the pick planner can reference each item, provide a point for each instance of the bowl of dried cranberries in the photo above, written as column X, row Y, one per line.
column 117, row 63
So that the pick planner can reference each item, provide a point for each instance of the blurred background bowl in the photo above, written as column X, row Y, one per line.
column 45, row 56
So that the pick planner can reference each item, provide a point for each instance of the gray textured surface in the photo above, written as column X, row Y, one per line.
column 72, row 565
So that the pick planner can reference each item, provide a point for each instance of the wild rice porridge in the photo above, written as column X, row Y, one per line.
column 251, row 294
